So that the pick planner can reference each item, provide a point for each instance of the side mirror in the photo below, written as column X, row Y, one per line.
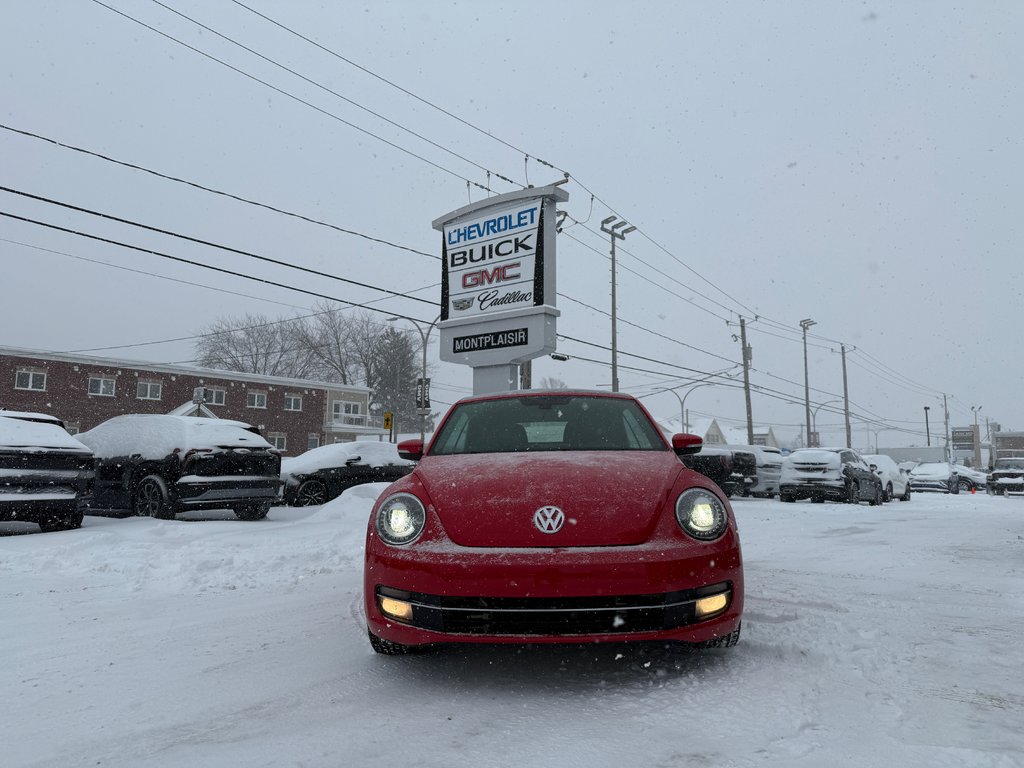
column 684, row 444
column 412, row 450
column 874, row 467
column 353, row 460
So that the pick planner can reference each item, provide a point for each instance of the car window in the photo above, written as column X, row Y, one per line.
column 547, row 423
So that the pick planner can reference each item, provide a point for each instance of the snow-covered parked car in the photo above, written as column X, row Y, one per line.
column 895, row 479
column 1007, row 476
column 836, row 474
column 160, row 465
column 45, row 474
column 321, row 474
column 944, row 477
column 769, row 470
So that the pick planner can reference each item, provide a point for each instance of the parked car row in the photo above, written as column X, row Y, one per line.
column 161, row 465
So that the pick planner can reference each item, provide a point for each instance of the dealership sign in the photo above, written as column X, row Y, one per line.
column 498, row 281
column 494, row 262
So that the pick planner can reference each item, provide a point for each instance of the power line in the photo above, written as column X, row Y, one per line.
column 195, row 285
column 229, row 249
column 183, row 260
column 335, row 93
column 293, row 96
column 211, row 190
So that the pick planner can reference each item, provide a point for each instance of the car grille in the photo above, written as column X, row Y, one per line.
column 553, row 616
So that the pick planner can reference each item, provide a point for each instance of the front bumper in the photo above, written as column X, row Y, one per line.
column 823, row 489
column 216, row 493
column 599, row 594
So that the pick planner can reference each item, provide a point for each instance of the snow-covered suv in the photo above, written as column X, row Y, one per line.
column 1007, row 476
column 45, row 474
column 160, row 465
column 839, row 474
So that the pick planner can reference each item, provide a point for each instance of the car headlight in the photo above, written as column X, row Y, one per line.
column 701, row 514
column 400, row 519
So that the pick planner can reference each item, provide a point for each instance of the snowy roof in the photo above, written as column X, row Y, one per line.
column 17, row 433
column 157, row 436
column 110, row 362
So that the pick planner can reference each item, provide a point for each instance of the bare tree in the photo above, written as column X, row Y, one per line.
column 255, row 344
column 550, row 382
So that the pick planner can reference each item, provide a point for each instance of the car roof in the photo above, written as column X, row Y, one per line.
column 517, row 393
column 42, row 418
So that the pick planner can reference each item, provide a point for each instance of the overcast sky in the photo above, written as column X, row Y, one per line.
column 854, row 163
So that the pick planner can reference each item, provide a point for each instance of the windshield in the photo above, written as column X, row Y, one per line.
column 1010, row 464
column 548, row 423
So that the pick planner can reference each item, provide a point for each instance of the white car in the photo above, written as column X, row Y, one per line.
column 895, row 479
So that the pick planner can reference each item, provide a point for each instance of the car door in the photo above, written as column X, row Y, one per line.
column 857, row 469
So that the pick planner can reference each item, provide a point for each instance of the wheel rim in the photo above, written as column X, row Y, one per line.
column 148, row 499
column 310, row 493
column 964, row 485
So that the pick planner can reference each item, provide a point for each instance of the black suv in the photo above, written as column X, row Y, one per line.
column 46, row 475
column 161, row 465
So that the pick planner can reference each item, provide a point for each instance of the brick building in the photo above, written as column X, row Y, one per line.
column 293, row 414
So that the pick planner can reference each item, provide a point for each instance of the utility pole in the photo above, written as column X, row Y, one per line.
column 846, row 399
column 747, row 355
column 977, row 437
column 805, row 324
column 945, row 407
column 526, row 375
column 927, row 431
column 616, row 232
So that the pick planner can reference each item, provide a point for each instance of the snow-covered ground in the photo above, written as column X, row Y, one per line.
column 873, row 636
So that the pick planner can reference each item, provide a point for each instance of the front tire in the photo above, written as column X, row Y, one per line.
column 311, row 493
column 878, row 498
column 151, row 499
column 906, row 494
column 252, row 511
column 966, row 486
column 887, row 496
column 52, row 523
column 853, row 492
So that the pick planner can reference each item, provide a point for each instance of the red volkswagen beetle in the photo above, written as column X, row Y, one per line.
column 551, row 517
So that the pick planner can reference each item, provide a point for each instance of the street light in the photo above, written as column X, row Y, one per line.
column 683, row 421
column 616, row 232
column 424, row 338
column 805, row 324
column 927, row 430
column 814, row 416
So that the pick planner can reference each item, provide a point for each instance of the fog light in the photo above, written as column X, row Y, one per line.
column 707, row 606
column 396, row 609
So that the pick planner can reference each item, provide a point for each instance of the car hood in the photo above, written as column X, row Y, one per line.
column 609, row 498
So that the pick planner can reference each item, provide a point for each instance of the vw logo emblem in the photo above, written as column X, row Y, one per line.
column 549, row 519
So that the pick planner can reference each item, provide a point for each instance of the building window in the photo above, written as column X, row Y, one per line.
column 30, row 378
column 149, row 390
column 214, row 396
column 348, row 412
column 293, row 402
column 255, row 399
column 100, row 385
column 313, row 441
column 279, row 440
